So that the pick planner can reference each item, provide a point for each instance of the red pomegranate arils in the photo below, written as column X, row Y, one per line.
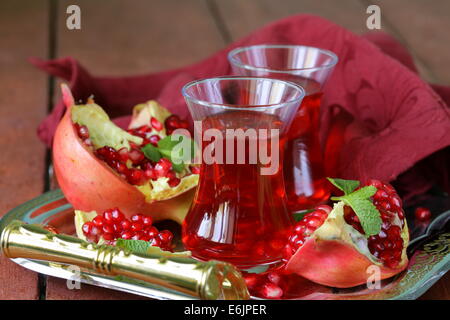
column 173, row 182
column 154, row 139
column 112, row 225
column 156, row 124
column 162, row 167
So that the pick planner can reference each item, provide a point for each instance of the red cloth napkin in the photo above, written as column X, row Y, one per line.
column 379, row 118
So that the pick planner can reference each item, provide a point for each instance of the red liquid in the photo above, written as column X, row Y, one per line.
column 239, row 215
column 304, row 173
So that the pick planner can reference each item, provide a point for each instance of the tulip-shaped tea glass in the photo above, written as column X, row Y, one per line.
column 309, row 67
column 239, row 213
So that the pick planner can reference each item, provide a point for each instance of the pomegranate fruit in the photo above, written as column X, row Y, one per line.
column 98, row 165
column 335, row 246
column 112, row 224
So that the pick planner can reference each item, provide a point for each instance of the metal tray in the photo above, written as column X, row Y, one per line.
column 429, row 253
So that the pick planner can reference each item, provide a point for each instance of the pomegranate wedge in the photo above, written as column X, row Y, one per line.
column 99, row 166
column 330, row 246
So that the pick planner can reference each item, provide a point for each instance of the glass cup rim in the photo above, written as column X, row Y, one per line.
column 231, row 58
column 189, row 97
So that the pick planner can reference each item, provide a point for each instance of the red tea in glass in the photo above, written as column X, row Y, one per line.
column 239, row 213
column 309, row 67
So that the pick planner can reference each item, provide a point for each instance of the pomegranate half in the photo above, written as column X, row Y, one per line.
column 329, row 247
column 89, row 184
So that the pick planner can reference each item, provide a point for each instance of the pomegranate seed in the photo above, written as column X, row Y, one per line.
column 127, row 235
column 98, row 221
column 162, row 167
column 137, row 226
column 107, row 215
column 108, row 228
column 422, row 214
column 83, row 132
column 194, row 169
column 173, row 182
column 136, row 177
column 156, row 124
column 108, row 236
column 126, row 224
column 121, row 168
column 376, row 183
column 154, row 140
column 116, row 215
column 88, row 142
column 138, row 236
column 165, row 236
column 87, row 228
column 152, row 232
column 271, row 291
column 172, row 122
column 155, row 242
column 147, row 221
column 144, row 129
column 150, row 174
column 123, row 154
column 136, row 156
column 137, row 217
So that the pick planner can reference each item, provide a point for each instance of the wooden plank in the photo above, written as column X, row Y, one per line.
column 423, row 26
column 242, row 17
column 132, row 37
column 23, row 101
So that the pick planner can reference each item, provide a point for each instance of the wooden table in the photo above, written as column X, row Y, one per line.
column 119, row 37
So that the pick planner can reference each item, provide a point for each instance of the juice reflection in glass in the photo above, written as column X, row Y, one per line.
column 309, row 67
column 239, row 213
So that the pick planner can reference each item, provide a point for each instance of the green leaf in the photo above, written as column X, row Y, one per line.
column 167, row 147
column 300, row 215
column 367, row 213
column 166, row 144
column 364, row 192
column 347, row 186
column 178, row 167
column 151, row 152
column 138, row 246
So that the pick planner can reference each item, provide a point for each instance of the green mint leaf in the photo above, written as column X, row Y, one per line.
column 347, row 186
column 300, row 215
column 364, row 192
column 367, row 213
column 166, row 144
column 138, row 246
column 151, row 152
column 185, row 151
column 178, row 151
column 178, row 167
